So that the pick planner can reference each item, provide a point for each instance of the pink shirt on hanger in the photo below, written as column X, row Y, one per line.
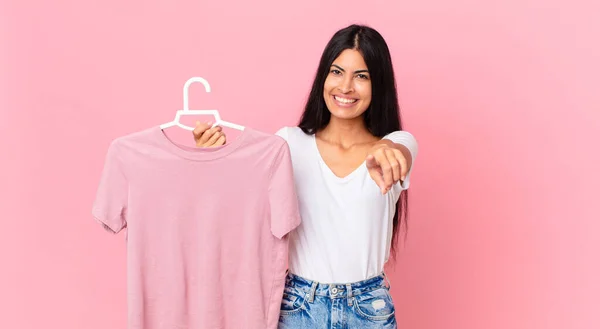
column 206, row 228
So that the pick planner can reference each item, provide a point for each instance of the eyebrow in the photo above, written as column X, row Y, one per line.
column 357, row 71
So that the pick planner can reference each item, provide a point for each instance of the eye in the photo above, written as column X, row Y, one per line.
column 363, row 76
column 336, row 71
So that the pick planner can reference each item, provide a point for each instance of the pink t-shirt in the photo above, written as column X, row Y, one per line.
column 206, row 228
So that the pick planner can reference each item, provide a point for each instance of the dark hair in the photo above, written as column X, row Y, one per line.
column 383, row 114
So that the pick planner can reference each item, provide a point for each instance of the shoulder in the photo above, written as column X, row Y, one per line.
column 291, row 134
column 266, row 144
column 145, row 136
column 271, row 139
column 127, row 142
column 400, row 134
column 127, row 148
column 122, row 150
column 286, row 131
column 297, row 140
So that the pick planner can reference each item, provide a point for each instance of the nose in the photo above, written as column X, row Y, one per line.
column 346, row 85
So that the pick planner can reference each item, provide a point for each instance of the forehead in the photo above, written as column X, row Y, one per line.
column 351, row 59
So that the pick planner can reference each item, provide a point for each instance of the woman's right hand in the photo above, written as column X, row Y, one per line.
column 205, row 136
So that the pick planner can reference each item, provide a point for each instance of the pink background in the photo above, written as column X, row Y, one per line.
column 503, row 98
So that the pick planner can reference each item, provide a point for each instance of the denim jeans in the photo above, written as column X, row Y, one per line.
column 311, row 305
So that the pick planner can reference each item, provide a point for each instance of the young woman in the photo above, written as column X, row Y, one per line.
column 352, row 163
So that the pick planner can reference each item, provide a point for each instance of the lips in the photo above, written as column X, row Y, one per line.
column 345, row 100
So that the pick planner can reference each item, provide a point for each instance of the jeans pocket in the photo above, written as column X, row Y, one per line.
column 293, row 301
column 376, row 305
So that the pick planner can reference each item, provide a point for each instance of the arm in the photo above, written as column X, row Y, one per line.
column 404, row 142
column 391, row 160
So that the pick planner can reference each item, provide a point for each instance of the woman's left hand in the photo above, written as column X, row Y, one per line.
column 386, row 164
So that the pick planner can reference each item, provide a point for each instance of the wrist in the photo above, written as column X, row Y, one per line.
column 383, row 143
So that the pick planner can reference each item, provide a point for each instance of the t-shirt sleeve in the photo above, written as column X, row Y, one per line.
column 283, row 133
column 409, row 141
column 283, row 199
column 110, row 204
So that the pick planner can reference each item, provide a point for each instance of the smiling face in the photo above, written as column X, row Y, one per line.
column 347, row 89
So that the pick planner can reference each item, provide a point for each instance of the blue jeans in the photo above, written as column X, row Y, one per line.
column 312, row 305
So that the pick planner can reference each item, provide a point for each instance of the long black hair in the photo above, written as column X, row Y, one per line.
column 383, row 114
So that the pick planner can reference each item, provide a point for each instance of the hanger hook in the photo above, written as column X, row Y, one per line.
column 186, row 88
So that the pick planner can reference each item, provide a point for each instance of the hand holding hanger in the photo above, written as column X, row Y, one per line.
column 207, row 136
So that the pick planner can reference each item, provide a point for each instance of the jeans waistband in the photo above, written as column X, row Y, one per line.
column 335, row 290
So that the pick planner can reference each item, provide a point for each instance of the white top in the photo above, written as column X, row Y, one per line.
column 346, row 230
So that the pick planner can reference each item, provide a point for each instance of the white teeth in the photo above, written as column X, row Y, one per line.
column 344, row 100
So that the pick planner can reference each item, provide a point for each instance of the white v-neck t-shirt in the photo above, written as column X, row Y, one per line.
column 346, row 230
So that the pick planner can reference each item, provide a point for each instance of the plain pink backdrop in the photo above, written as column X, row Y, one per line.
column 502, row 96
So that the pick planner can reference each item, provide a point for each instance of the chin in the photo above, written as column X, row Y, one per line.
column 345, row 114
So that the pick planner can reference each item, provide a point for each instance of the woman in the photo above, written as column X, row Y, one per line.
column 351, row 186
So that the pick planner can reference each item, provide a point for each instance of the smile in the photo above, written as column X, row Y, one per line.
column 345, row 100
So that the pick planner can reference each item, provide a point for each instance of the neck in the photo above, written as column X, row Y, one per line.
column 346, row 132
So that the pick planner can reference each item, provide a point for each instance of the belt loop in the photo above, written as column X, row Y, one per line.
column 311, row 293
column 349, row 292
column 385, row 278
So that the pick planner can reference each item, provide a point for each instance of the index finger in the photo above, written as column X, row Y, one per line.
column 386, row 169
column 371, row 162
column 200, row 128
column 375, row 172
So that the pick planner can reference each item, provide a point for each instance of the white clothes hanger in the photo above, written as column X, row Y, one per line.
column 187, row 111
